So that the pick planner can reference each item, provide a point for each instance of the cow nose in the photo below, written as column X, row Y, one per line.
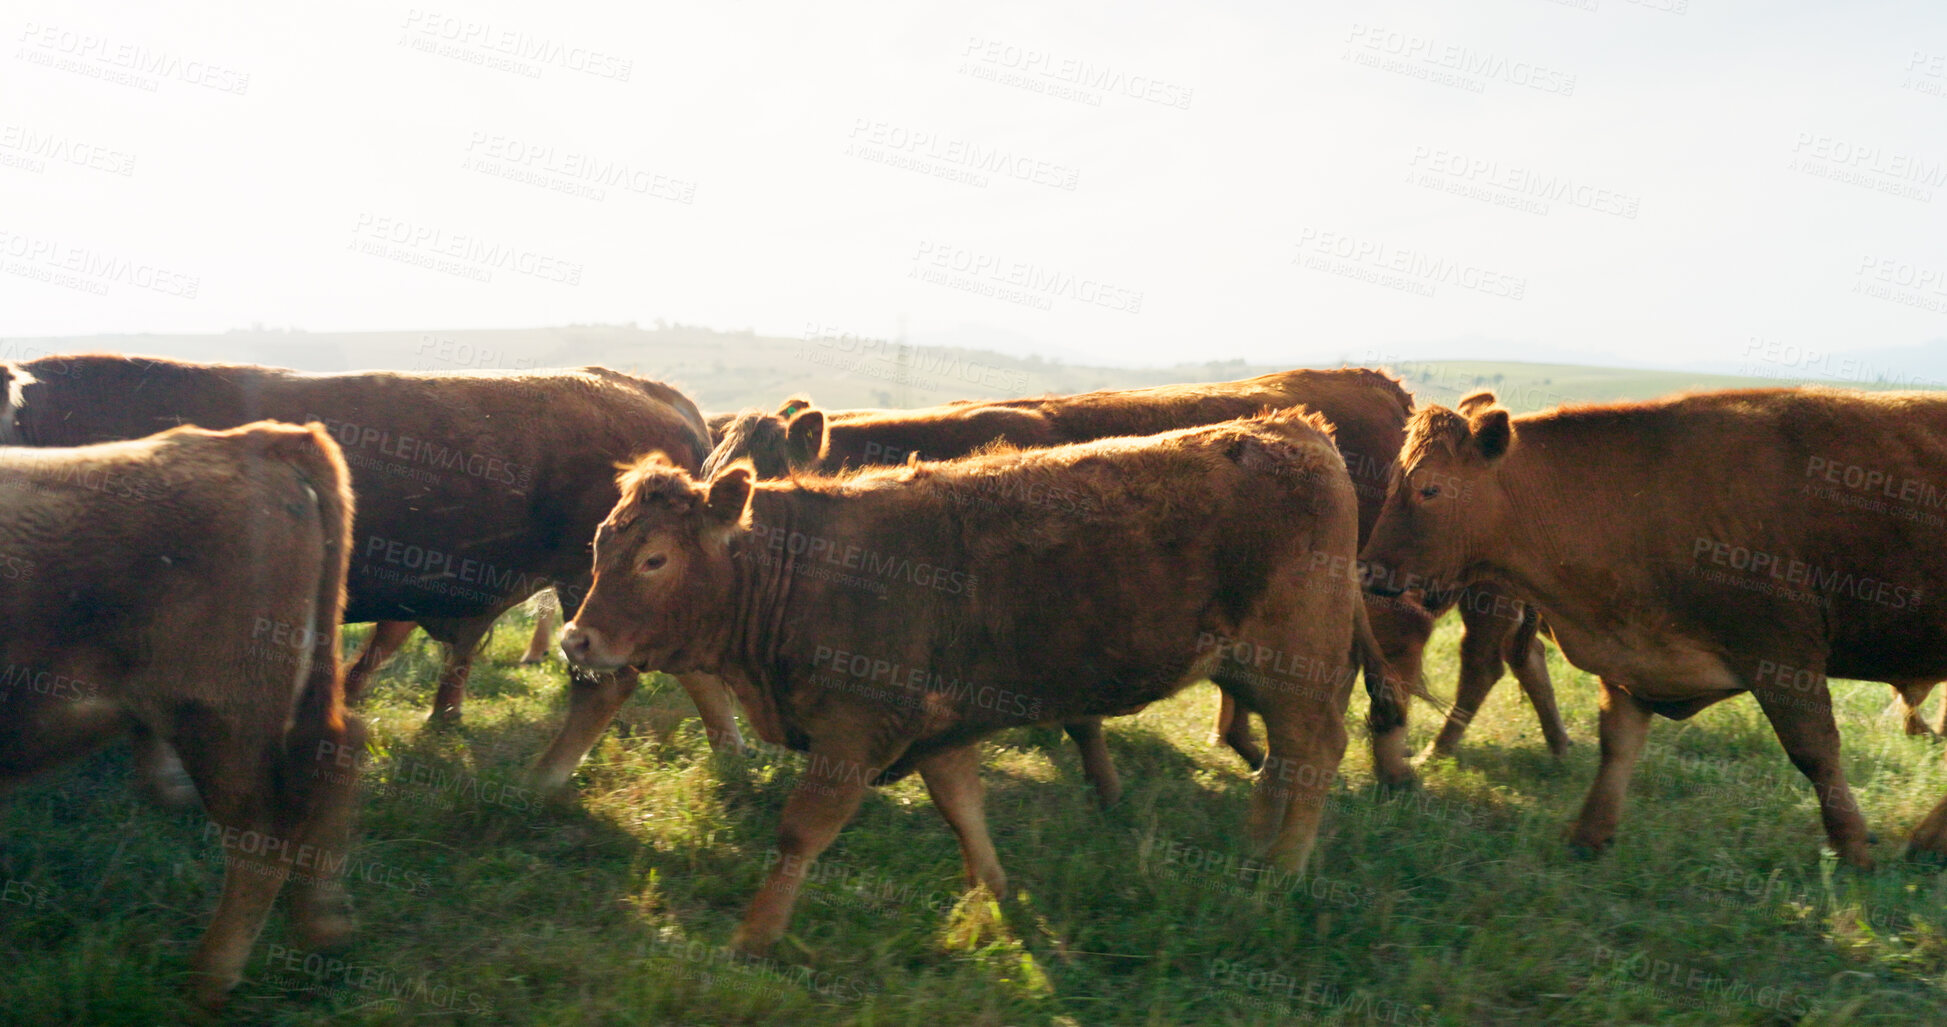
column 575, row 643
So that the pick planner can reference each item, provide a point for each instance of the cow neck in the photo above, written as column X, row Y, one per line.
column 763, row 586
column 1533, row 496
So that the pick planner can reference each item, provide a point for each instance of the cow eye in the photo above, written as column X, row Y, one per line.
column 653, row 563
column 1429, row 492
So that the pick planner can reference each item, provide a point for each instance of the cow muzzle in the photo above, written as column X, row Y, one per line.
column 587, row 647
column 1377, row 580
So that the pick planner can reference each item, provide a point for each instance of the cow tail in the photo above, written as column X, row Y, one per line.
column 325, row 742
column 1389, row 696
column 1388, row 705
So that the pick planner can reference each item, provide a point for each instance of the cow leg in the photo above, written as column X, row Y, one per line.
column 159, row 774
column 318, row 798
column 1402, row 628
column 826, row 797
column 1912, row 696
column 387, row 637
column 712, row 701
column 543, row 638
column 1304, row 729
column 1528, row 658
column 1096, row 765
column 593, row 700
column 1804, row 724
column 234, row 773
column 1288, row 798
column 953, row 780
column 1624, row 727
column 1480, row 669
column 61, row 732
column 1234, row 729
column 462, row 639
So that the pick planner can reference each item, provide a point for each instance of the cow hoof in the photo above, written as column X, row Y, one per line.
column 745, row 943
column 1397, row 785
column 209, row 994
column 551, row 784
column 173, row 791
column 1924, row 857
column 1587, row 851
column 327, row 932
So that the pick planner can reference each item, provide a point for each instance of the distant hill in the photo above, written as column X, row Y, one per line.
column 726, row 370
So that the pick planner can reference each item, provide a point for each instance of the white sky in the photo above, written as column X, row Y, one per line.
column 1757, row 145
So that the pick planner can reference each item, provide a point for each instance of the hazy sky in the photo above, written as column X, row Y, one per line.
column 1655, row 182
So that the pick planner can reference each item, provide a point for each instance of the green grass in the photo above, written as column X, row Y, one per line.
column 1455, row 905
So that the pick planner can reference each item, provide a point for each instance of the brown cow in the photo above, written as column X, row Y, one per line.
column 1368, row 410
column 940, row 602
column 475, row 489
column 188, row 587
column 1697, row 547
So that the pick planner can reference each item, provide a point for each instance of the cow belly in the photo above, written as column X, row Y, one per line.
column 1653, row 669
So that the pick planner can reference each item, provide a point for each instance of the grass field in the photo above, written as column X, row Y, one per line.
column 1454, row 905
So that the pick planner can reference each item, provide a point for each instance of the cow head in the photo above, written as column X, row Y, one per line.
column 663, row 573
column 1444, row 503
column 793, row 439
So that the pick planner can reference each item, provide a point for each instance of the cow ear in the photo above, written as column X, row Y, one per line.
column 727, row 497
column 1475, row 402
column 806, row 438
column 1493, row 432
column 794, row 404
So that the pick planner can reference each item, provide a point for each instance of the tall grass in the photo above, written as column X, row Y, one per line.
column 1457, row 904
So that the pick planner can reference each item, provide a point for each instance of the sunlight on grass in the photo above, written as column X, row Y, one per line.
column 1452, row 904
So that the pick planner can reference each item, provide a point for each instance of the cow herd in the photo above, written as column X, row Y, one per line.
column 882, row 589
